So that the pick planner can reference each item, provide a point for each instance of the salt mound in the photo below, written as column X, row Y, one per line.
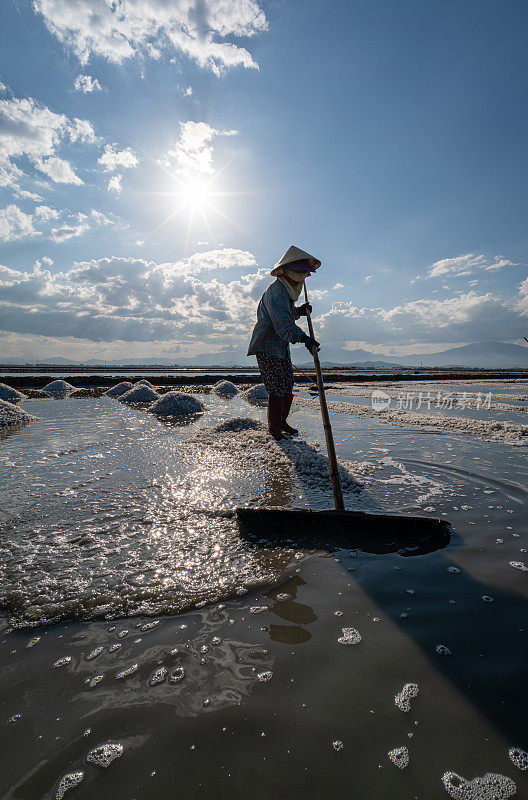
column 237, row 424
column 174, row 404
column 144, row 382
column 225, row 388
column 257, row 392
column 490, row 787
column 11, row 416
column 139, row 394
column 119, row 389
column 58, row 387
column 10, row 394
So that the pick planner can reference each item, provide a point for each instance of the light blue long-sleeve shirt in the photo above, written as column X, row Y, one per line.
column 275, row 328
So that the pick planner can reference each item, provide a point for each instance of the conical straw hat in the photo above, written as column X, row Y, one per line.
column 294, row 253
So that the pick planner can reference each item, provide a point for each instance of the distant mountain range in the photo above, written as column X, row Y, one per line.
column 479, row 354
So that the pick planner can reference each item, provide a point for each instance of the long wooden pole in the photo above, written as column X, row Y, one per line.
column 330, row 448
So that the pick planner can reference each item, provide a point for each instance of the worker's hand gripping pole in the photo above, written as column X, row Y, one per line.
column 332, row 460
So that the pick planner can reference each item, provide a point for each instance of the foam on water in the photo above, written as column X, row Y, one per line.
column 520, row 565
column 404, row 697
column 518, row 757
column 68, row 781
column 350, row 636
column 491, row 787
column 126, row 673
column 105, row 754
column 399, row 756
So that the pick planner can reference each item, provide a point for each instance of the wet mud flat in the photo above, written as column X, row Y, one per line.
column 134, row 615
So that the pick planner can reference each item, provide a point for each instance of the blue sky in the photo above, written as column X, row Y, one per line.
column 156, row 158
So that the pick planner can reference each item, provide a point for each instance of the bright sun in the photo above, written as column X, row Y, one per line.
column 197, row 194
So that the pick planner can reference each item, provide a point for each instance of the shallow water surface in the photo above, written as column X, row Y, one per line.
column 109, row 513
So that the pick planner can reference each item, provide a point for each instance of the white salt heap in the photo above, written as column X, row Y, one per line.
column 10, row 394
column 119, row 389
column 257, row 392
column 174, row 404
column 237, row 424
column 225, row 388
column 58, row 387
column 144, row 382
column 13, row 417
column 139, row 394
column 490, row 787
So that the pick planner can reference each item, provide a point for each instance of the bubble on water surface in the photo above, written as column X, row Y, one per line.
column 158, row 676
column 490, row 787
column 519, row 758
column 113, row 647
column 95, row 680
column 337, row 745
column 147, row 626
column 399, row 756
column 403, row 698
column 283, row 596
column 68, row 781
column 126, row 673
column 94, row 653
column 122, row 634
column 443, row 650
column 216, row 640
column 264, row 677
column 453, row 570
column 258, row 609
column 487, row 598
column 519, row 565
column 14, row 719
column 350, row 636
column 105, row 754
column 32, row 642
column 176, row 675
column 61, row 662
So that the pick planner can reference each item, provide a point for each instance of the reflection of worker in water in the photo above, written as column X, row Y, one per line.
column 292, row 611
column 276, row 330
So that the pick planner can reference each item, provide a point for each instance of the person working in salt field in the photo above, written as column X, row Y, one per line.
column 276, row 329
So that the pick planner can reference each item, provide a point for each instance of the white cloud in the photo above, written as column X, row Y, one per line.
column 58, row 170
column 193, row 151
column 140, row 243
column 112, row 158
column 114, row 184
column 338, row 286
column 368, row 278
column 46, row 213
column 100, row 218
column 187, row 92
column 86, row 84
column 67, row 232
column 3, row 87
column 467, row 264
column 31, row 130
column 119, row 31
column 15, row 224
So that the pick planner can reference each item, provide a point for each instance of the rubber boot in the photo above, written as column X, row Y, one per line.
column 286, row 405
column 275, row 416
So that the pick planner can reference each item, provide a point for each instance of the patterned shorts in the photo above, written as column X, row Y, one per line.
column 277, row 373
